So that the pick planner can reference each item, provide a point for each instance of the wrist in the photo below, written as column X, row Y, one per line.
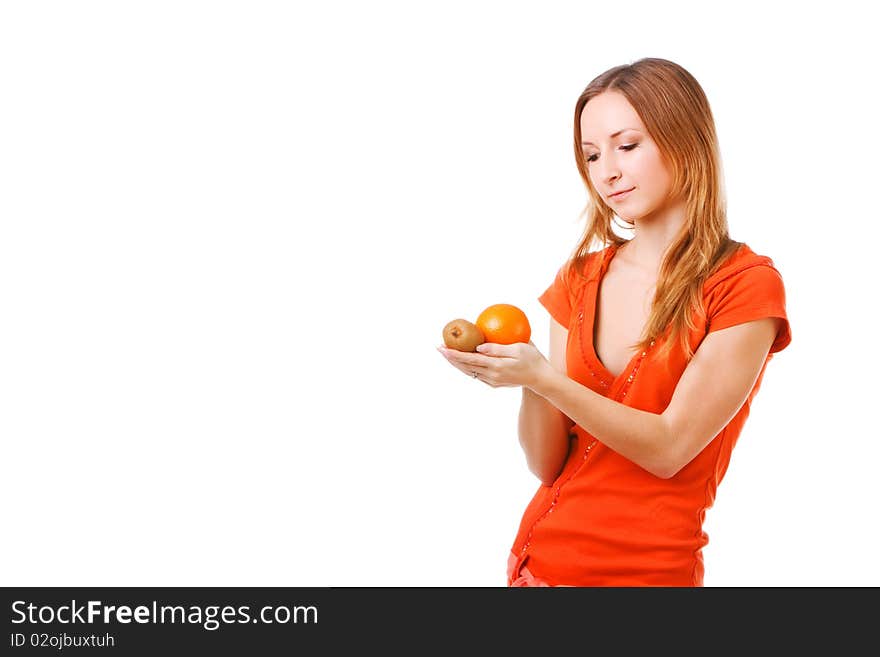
column 546, row 379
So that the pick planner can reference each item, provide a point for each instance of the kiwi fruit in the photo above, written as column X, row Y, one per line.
column 462, row 335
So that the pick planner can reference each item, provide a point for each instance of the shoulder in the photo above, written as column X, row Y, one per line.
column 596, row 262
column 577, row 272
column 746, row 287
column 743, row 268
column 567, row 288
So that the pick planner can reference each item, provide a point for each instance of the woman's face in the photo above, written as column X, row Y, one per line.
column 620, row 155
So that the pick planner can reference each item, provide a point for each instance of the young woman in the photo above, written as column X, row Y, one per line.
column 658, row 345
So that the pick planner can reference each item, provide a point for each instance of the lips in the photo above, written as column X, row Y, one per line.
column 622, row 191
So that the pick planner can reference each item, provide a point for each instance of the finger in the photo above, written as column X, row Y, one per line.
column 496, row 350
column 473, row 372
column 464, row 358
column 481, row 372
column 470, row 370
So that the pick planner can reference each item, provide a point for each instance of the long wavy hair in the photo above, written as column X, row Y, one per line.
column 675, row 111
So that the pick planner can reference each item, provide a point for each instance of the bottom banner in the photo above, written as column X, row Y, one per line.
column 134, row 621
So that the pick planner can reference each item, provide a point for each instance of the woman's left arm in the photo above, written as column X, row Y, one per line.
column 710, row 392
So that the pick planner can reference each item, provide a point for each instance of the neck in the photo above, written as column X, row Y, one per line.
column 653, row 236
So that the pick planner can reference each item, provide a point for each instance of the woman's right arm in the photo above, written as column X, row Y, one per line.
column 543, row 428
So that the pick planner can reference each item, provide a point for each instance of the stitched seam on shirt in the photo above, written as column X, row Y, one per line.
column 767, row 310
column 766, row 263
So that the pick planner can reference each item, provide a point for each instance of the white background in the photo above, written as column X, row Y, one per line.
column 233, row 231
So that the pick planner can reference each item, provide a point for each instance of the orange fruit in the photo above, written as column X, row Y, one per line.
column 503, row 323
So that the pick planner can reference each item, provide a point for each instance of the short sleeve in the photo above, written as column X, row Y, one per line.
column 752, row 293
column 557, row 298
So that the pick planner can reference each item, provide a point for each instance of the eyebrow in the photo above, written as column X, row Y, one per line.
column 589, row 143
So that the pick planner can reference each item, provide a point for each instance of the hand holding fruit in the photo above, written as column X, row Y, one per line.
column 496, row 349
column 501, row 323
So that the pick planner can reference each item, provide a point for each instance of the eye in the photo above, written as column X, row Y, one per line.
column 625, row 147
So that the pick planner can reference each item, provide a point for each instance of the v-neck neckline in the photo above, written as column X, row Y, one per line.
column 615, row 385
column 590, row 334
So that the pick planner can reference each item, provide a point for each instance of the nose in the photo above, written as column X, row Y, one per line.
column 608, row 170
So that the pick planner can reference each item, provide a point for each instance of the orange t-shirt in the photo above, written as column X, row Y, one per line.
column 606, row 521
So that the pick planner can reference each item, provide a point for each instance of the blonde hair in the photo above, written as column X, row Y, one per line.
column 675, row 111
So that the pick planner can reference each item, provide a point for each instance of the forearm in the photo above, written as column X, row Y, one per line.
column 543, row 435
column 640, row 436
